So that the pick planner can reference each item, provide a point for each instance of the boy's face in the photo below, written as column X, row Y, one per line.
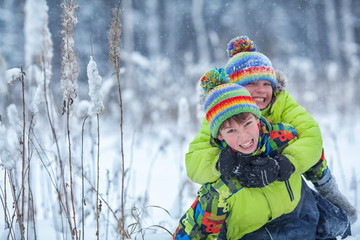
column 261, row 92
column 243, row 137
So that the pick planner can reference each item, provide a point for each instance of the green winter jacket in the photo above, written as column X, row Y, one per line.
column 304, row 153
column 243, row 209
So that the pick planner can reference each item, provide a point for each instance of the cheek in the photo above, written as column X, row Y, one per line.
column 231, row 141
column 269, row 93
column 250, row 89
column 255, row 131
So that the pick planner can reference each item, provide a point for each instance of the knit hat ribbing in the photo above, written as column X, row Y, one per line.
column 246, row 65
column 224, row 99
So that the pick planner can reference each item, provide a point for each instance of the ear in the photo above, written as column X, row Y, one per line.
column 220, row 137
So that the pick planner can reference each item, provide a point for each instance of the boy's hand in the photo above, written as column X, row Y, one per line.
column 286, row 167
column 257, row 172
column 227, row 161
column 254, row 172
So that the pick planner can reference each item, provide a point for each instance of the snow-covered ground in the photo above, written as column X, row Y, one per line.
column 157, row 189
column 157, row 174
column 340, row 143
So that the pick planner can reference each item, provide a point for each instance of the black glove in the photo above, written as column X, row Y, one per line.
column 286, row 167
column 227, row 161
column 257, row 172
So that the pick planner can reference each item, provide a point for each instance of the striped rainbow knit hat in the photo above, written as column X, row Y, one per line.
column 224, row 99
column 246, row 65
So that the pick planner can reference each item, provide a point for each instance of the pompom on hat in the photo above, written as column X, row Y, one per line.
column 224, row 99
column 246, row 65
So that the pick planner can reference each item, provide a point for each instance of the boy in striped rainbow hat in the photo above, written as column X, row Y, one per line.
column 225, row 209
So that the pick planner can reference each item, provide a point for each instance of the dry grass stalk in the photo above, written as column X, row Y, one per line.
column 63, row 207
column 96, row 107
column 6, row 210
column 22, row 80
column 114, row 55
column 23, row 137
column 69, row 64
column 15, row 199
column 69, row 74
column 119, row 221
column 98, row 208
column 31, row 206
column 82, row 182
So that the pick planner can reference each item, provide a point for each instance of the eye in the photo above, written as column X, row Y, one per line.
column 230, row 131
column 248, row 123
column 267, row 84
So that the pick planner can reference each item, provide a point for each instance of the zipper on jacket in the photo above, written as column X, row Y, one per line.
column 271, row 238
column 288, row 187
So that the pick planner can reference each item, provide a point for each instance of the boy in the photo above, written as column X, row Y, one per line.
column 254, row 71
column 225, row 209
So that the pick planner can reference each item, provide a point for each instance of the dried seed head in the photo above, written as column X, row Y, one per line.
column 115, row 39
column 69, row 63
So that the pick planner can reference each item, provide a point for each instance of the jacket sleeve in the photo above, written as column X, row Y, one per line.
column 306, row 151
column 205, row 217
column 201, row 158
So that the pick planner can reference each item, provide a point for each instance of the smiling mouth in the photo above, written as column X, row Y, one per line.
column 246, row 145
column 259, row 99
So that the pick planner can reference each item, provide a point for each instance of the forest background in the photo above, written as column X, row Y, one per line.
column 122, row 172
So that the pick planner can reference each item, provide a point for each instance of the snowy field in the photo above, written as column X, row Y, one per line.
column 157, row 181
column 157, row 191
column 166, row 179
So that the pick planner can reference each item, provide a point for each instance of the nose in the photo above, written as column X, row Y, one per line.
column 259, row 88
column 242, row 135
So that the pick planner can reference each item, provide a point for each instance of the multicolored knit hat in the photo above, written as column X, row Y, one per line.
column 224, row 99
column 246, row 65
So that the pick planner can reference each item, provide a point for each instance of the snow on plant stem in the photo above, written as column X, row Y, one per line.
column 6, row 157
column 3, row 68
column 68, row 87
column 13, row 75
column 37, row 34
column 69, row 63
column 114, row 55
column 96, row 105
column 115, row 40
column 9, row 138
column 38, row 48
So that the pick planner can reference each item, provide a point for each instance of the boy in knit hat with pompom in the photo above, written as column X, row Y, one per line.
column 284, row 208
column 254, row 71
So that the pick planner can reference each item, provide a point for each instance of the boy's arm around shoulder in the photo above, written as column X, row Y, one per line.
column 307, row 149
column 201, row 158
